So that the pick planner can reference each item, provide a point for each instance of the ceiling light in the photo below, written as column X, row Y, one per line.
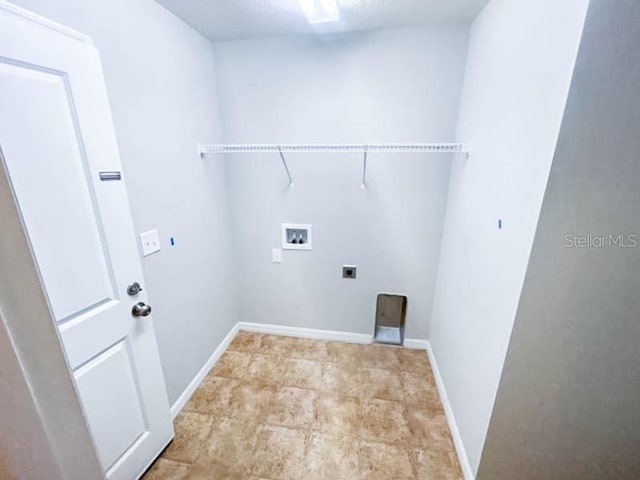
column 320, row 11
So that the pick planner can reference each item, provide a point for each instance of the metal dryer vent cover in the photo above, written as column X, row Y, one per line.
column 390, row 315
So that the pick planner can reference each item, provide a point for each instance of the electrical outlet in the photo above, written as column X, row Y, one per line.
column 150, row 242
column 349, row 271
column 276, row 255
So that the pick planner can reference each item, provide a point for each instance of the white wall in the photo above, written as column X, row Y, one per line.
column 521, row 58
column 161, row 83
column 387, row 86
column 567, row 406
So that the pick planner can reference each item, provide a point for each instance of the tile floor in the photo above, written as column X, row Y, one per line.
column 282, row 408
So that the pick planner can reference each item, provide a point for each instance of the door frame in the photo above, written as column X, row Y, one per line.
column 40, row 405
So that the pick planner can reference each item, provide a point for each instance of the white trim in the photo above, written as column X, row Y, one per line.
column 184, row 397
column 416, row 343
column 12, row 10
column 331, row 335
column 348, row 337
column 448, row 411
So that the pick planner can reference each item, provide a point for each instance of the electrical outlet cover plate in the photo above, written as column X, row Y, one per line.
column 297, row 236
column 150, row 242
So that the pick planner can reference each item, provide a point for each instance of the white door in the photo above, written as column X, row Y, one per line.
column 56, row 143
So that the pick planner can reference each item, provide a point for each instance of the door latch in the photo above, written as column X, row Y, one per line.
column 134, row 289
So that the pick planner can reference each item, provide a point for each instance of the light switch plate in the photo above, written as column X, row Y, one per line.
column 150, row 242
column 276, row 255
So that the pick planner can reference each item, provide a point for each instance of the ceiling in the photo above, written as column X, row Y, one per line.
column 236, row 19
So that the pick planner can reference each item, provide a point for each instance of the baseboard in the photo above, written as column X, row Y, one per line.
column 330, row 335
column 415, row 343
column 182, row 400
column 453, row 426
column 348, row 337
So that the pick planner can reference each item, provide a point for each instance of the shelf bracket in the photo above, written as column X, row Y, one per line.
column 364, row 167
column 286, row 167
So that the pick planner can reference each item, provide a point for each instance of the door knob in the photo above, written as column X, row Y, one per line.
column 141, row 309
column 134, row 289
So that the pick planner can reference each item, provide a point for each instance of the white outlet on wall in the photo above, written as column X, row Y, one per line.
column 276, row 255
column 150, row 242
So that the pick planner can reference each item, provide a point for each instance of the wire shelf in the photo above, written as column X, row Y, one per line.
column 365, row 148
column 347, row 147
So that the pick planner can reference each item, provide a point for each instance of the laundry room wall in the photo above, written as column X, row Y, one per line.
column 161, row 83
column 567, row 406
column 385, row 86
column 521, row 59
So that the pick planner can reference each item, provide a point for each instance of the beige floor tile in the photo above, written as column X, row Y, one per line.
column 229, row 446
column 309, row 349
column 278, row 453
column 419, row 422
column 212, row 396
column 418, row 390
column 232, row 365
column 379, row 461
column 277, row 345
column 412, row 360
column 384, row 421
column 344, row 353
column 377, row 356
column 382, row 384
column 341, row 378
column 246, row 342
column 429, row 430
column 164, row 469
column 436, row 465
column 191, row 429
column 337, row 414
column 292, row 407
column 302, row 374
column 330, row 457
column 250, row 401
column 265, row 369
column 213, row 472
